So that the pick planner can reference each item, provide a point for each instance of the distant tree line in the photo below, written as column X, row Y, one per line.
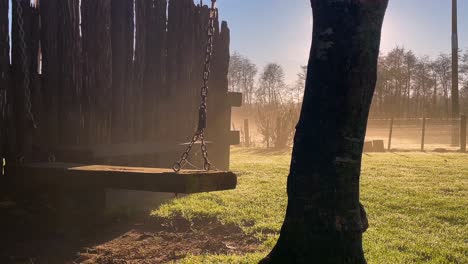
column 408, row 86
column 411, row 86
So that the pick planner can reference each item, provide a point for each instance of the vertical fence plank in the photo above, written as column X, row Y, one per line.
column 70, row 81
column 141, row 11
column 38, row 134
column 122, row 34
column 153, row 77
column 22, row 124
column 98, row 55
column 4, row 76
column 179, row 67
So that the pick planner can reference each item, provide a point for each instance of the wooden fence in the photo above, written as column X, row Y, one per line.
column 115, row 76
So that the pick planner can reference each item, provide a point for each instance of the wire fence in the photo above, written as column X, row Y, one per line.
column 389, row 134
column 419, row 134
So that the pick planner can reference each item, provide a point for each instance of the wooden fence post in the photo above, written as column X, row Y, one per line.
column 246, row 133
column 390, row 134
column 423, row 136
column 463, row 133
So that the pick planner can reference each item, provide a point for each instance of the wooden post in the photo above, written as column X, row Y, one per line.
column 423, row 135
column 455, row 89
column 390, row 134
column 463, row 134
column 246, row 133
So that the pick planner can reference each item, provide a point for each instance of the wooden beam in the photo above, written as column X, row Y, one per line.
column 45, row 176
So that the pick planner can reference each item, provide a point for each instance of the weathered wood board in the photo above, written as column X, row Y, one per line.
column 81, row 177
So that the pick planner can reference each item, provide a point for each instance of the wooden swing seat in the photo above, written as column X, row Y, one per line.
column 77, row 176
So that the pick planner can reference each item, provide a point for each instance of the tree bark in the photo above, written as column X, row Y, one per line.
column 324, row 220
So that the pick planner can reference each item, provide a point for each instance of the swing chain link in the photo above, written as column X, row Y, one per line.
column 202, row 111
column 24, row 64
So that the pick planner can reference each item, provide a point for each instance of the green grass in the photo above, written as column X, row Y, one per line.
column 417, row 205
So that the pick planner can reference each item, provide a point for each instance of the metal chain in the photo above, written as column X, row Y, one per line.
column 202, row 110
column 25, row 64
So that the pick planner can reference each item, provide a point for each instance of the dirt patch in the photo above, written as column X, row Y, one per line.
column 164, row 240
column 142, row 240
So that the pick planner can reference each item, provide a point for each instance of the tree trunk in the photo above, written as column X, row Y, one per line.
column 324, row 220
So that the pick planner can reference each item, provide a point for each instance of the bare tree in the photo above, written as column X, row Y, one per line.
column 265, row 119
column 274, row 112
column 410, row 63
column 443, row 71
column 298, row 88
column 272, row 85
column 423, row 85
column 286, row 118
column 324, row 221
column 464, row 89
column 241, row 76
column 395, row 66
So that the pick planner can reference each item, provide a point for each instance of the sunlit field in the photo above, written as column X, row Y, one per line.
column 417, row 205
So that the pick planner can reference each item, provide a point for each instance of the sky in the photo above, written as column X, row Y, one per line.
column 280, row 31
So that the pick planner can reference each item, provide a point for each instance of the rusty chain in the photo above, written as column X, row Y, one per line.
column 24, row 63
column 202, row 111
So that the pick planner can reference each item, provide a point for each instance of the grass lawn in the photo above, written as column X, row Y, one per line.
column 417, row 205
